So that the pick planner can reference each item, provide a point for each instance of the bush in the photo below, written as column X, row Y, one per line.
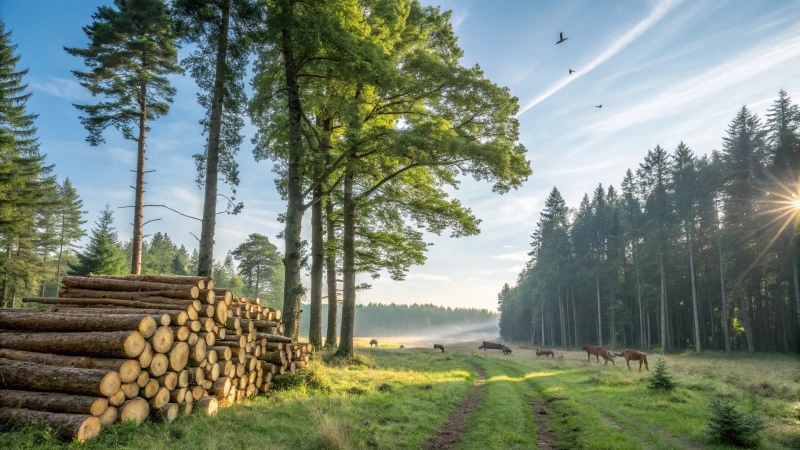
column 728, row 425
column 661, row 379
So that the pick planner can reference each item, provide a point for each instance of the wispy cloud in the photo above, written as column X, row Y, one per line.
column 428, row 277
column 661, row 9
column 459, row 18
column 516, row 256
column 681, row 95
column 123, row 155
column 61, row 87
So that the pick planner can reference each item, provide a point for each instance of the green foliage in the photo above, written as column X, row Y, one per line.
column 131, row 53
column 728, row 425
column 661, row 379
column 103, row 255
column 260, row 268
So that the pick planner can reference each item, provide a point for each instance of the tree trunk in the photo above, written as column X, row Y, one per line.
column 796, row 301
column 330, row 267
column 695, row 308
column 206, row 252
column 574, row 315
column 60, row 250
column 348, row 267
column 561, row 316
column 599, row 311
column 613, row 340
column 725, row 329
column 663, row 304
column 38, row 377
column 80, row 427
column 42, row 321
column 317, row 262
column 745, row 318
column 138, row 210
column 53, row 402
column 642, row 339
column 293, row 289
column 121, row 344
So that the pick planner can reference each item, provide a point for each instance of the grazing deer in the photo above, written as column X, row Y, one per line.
column 402, row 346
column 373, row 342
column 597, row 352
column 505, row 349
column 439, row 346
column 635, row 355
column 545, row 352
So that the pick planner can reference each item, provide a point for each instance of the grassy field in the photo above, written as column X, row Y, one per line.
column 389, row 398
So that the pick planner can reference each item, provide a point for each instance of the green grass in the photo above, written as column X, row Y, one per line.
column 388, row 398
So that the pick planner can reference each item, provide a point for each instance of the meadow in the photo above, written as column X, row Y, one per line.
column 391, row 398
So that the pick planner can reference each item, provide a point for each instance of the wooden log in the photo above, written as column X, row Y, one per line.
column 72, row 380
column 131, row 390
column 122, row 344
column 277, row 357
column 141, row 303
column 143, row 379
column 223, row 352
column 151, row 388
column 80, row 427
column 162, row 340
column 235, row 341
column 183, row 280
column 208, row 405
column 147, row 356
column 178, row 356
column 209, row 337
column 161, row 398
column 207, row 384
column 233, row 323
column 192, row 313
column 111, row 284
column 272, row 346
column 226, row 293
column 135, row 410
column 195, row 325
column 197, row 392
column 199, row 350
column 222, row 332
column 169, row 380
column 188, row 395
column 166, row 413
column 52, row 321
column 247, row 325
column 117, row 400
column 181, row 333
column 206, row 324
column 213, row 371
column 159, row 365
column 274, row 337
column 108, row 417
column 53, row 402
column 192, row 339
column 220, row 312
column 178, row 395
column 264, row 325
column 128, row 369
column 179, row 293
column 221, row 387
column 183, row 378
column 206, row 311
column 47, row 358
column 208, row 296
column 196, row 375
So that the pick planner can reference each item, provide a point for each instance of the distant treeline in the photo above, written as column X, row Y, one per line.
column 376, row 319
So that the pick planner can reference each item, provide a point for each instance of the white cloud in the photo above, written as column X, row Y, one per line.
column 123, row 155
column 459, row 18
column 521, row 255
column 61, row 87
column 680, row 96
column 660, row 10
column 427, row 277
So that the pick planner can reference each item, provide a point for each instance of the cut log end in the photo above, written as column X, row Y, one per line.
column 135, row 410
column 208, row 405
column 108, row 417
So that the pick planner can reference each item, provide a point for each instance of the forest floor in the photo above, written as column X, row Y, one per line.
column 418, row 398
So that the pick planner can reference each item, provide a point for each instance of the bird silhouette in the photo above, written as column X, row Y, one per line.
column 571, row 71
column 599, row 106
column 562, row 38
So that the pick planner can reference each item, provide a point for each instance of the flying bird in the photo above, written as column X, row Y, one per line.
column 571, row 71
column 599, row 106
column 562, row 38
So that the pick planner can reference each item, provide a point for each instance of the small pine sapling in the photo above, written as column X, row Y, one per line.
column 661, row 379
column 728, row 425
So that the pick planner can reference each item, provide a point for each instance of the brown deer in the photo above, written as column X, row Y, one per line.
column 373, row 342
column 545, row 352
column 597, row 352
column 635, row 355
column 439, row 346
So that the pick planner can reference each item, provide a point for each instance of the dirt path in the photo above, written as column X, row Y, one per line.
column 452, row 433
column 547, row 440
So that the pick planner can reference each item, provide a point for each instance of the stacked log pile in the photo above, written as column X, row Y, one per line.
column 119, row 348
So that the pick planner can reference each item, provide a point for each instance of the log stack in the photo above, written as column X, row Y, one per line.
column 118, row 348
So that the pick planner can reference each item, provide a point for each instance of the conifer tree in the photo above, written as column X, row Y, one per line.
column 661, row 379
column 131, row 53
column 103, row 255
column 68, row 221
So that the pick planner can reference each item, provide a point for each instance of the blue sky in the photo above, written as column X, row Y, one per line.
column 664, row 71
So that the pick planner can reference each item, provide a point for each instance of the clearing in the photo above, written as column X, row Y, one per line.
column 419, row 398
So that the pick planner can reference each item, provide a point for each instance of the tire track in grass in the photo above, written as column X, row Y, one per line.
column 452, row 433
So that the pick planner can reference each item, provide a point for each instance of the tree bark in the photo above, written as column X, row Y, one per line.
column 180, row 281
column 113, row 284
column 80, row 427
column 178, row 294
column 663, row 303
column 599, row 311
column 317, row 255
column 796, row 301
column 138, row 210
column 73, row 380
column 330, row 276
column 53, row 402
column 122, row 344
column 176, row 317
column 293, row 289
column 348, row 266
column 745, row 318
column 142, row 303
column 695, row 307
column 206, row 252
column 43, row 321
column 642, row 339
column 725, row 329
